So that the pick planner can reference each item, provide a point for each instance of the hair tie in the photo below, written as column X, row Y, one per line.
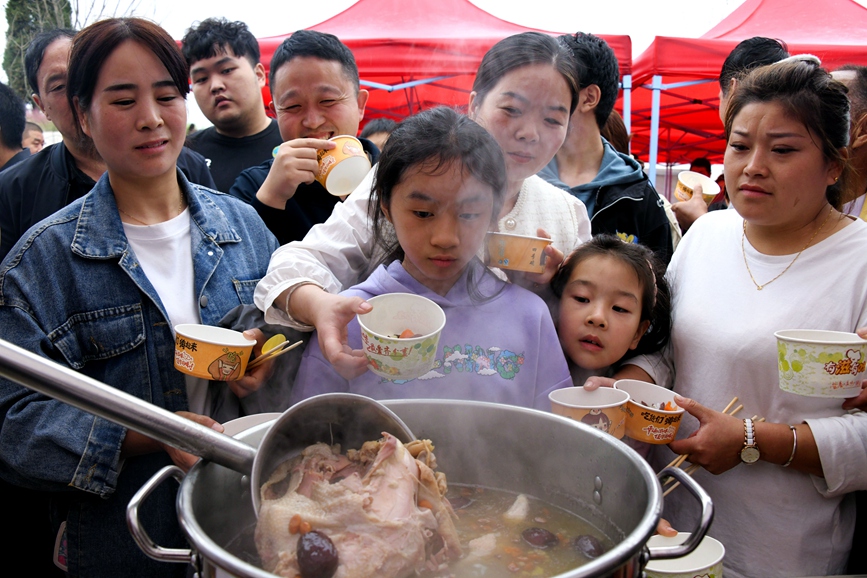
column 655, row 286
column 809, row 58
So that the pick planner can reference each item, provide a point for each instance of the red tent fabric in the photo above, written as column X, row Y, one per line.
column 689, row 125
column 398, row 43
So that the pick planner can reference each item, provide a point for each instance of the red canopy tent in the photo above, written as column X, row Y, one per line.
column 684, row 72
column 414, row 55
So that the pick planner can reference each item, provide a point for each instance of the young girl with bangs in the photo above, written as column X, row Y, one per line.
column 614, row 304
column 440, row 183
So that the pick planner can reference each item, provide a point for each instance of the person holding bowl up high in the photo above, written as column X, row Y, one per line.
column 524, row 93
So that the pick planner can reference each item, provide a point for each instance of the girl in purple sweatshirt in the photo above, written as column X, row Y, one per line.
column 439, row 187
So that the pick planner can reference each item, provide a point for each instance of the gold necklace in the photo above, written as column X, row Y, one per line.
column 744, row 253
column 180, row 210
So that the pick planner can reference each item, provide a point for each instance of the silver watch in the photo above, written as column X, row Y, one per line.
column 750, row 452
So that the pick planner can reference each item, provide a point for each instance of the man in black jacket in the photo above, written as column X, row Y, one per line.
column 620, row 199
column 61, row 173
column 227, row 83
column 316, row 96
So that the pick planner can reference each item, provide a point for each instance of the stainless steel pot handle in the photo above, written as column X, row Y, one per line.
column 148, row 546
column 697, row 535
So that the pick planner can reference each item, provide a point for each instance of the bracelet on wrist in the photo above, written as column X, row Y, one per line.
column 794, row 446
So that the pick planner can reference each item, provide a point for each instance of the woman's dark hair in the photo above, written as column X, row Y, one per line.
column 809, row 94
column 655, row 292
column 433, row 139
column 615, row 133
column 522, row 50
column 96, row 43
column 749, row 54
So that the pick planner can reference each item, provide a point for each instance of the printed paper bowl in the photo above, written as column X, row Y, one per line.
column 344, row 167
column 817, row 363
column 686, row 182
column 211, row 352
column 706, row 561
column 603, row 408
column 517, row 252
column 643, row 422
column 388, row 355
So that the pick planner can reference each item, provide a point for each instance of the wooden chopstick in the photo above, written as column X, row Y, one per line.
column 276, row 352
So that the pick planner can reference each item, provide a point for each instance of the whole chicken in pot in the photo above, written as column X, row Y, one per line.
column 377, row 511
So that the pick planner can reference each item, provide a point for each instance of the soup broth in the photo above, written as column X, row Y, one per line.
column 493, row 541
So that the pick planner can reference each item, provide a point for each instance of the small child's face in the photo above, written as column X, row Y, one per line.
column 600, row 313
column 441, row 220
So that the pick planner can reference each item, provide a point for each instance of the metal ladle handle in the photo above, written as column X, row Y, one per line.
column 92, row 396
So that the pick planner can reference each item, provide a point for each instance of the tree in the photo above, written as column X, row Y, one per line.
column 27, row 18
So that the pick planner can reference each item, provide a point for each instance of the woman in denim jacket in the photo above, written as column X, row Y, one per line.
column 98, row 287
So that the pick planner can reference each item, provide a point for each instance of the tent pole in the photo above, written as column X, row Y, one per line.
column 656, row 87
column 627, row 105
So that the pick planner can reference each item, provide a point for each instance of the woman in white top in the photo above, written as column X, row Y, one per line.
column 786, row 258
column 524, row 93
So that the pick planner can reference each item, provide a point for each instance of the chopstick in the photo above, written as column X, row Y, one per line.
column 276, row 352
column 678, row 461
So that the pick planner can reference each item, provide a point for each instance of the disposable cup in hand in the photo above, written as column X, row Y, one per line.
column 342, row 168
column 517, row 252
column 401, row 334
column 686, row 182
column 603, row 408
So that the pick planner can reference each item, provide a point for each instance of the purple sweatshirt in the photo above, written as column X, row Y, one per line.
column 503, row 350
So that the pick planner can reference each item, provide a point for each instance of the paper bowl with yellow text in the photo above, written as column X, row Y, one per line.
column 210, row 352
column 517, row 252
column 342, row 168
column 706, row 561
column 401, row 358
column 645, row 422
column 603, row 408
column 818, row 363
column 686, row 182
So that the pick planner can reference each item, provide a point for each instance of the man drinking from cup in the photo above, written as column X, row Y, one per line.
column 316, row 96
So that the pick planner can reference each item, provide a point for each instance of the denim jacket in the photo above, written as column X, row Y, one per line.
column 72, row 291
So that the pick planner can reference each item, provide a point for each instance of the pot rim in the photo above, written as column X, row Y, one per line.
column 632, row 545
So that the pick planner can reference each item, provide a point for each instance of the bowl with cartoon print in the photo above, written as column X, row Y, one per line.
column 647, row 419
column 516, row 252
column 401, row 334
column 603, row 408
column 342, row 168
column 818, row 363
column 214, row 353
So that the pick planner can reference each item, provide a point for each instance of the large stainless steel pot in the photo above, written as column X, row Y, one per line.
column 562, row 461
